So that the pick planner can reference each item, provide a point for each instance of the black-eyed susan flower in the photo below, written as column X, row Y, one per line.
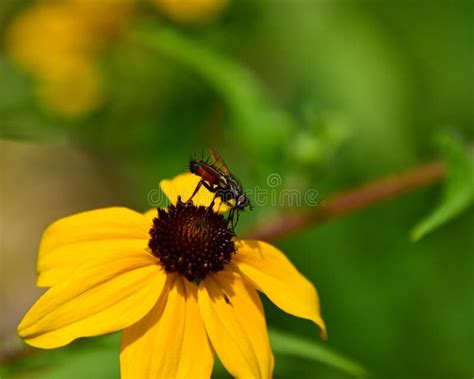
column 177, row 283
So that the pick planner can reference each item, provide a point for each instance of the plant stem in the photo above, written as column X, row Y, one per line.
column 349, row 201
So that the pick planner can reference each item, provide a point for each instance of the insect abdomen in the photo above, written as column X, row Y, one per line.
column 204, row 171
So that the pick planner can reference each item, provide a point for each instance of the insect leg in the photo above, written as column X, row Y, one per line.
column 195, row 191
column 209, row 187
column 220, row 204
column 211, row 206
column 212, row 189
column 234, row 218
column 237, row 220
column 230, row 217
column 202, row 182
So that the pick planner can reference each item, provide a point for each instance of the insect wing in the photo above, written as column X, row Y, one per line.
column 218, row 161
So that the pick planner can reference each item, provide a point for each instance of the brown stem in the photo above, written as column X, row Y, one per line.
column 16, row 355
column 351, row 200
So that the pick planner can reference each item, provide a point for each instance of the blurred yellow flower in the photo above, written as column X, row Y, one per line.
column 73, row 92
column 48, row 35
column 189, row 11
column 177, row 282
column 57, row 42
column 105, row 18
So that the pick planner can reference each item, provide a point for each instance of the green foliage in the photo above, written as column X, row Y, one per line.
column 91, row 358
column 458, row 194
column 262, row 125
column 98, row 358
column 291, row 345
column 18, row 117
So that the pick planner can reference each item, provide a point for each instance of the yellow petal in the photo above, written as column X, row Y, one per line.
column 184, row 185
column 150, row 214
column 58, row 264
column 105, row 296
column 73, row 240
column 235, row 323
column 100, row 224
column 170, row 341
column 272, row 273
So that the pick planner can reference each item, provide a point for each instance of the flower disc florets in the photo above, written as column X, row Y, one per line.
column 190, row 240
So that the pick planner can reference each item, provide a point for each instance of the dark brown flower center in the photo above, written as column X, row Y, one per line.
column 192, row 241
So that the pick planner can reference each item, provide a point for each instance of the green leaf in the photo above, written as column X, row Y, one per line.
column 91, row 358
column 288, row 344
column 250, row 105
column 91, row 364
column 99, row 358
column 458, row 194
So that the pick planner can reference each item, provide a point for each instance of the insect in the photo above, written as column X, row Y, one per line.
column 216, row 177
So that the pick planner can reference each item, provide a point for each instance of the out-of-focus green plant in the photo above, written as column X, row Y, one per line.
column 99, row 357
column 191, row 11
column 458, row 193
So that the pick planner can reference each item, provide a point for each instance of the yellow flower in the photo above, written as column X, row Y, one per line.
column 58, row 43
column 74, row 90
column 47, row 37
column 189, row 11
column 178, row 284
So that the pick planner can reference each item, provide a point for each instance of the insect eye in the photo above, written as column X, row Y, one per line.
column 243, row 200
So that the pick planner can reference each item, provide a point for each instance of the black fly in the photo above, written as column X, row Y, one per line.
column 216, row 177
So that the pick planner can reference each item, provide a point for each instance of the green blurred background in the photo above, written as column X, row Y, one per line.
column 99, row 101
